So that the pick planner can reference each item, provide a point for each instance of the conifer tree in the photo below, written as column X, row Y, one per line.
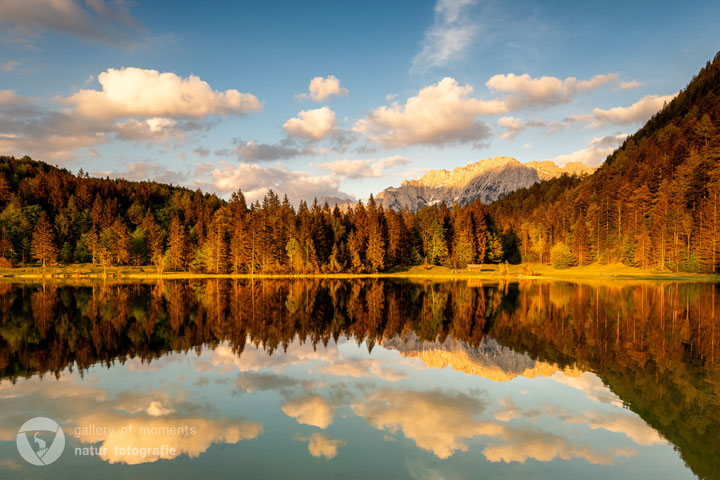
column 353, row 245
column 335, row 265
column 120, row 245
column 155, row 241
column 580, row 240
column 43, row 241
column 295, row 255
column 375, row 249
column 177, row 244
column 437, row 249
column 495, row 250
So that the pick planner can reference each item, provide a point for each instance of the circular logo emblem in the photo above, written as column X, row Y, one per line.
column 34, row 448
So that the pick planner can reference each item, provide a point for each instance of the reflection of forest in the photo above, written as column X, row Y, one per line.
column 653, row 344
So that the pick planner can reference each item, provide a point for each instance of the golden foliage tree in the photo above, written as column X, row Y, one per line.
column 43, row 241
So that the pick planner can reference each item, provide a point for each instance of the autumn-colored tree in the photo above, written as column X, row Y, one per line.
column 705, row 129
column 437, row 250
column 176, row 253
column 463, row 251
column 335, row 264
column 155, row 241
column 580, row 240
column 43, row 241
column 353, row 246
column 710, row 231
column 375, row 249
column 495, row 249
column 120, row 243
column 561, row 256
column 295, row 255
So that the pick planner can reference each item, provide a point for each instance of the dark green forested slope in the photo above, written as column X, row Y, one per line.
column 655, row 202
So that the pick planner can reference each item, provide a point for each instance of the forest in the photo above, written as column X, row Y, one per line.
column 49, row 215
column 653, row 204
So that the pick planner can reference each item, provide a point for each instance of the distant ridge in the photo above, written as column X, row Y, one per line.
column 486, row 180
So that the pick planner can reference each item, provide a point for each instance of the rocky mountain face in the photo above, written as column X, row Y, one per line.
column 486, row 180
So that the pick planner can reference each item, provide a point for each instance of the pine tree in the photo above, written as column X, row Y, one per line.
column 353, row 245
column 6, row 246
column 240, row 249
column 495, row 250
column 295, row 256
column 312, row 264
column 375, row 249
column 177, row 244
column 705, row 129
column 120, row 242
column 437, row 249
column 660, row 231
column 335, row 265
column 215, row 245
column 43, row 241
column 580, row 240
column 710, row 231
column 155, row 241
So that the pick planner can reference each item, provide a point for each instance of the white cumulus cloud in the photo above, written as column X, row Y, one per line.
column 443, row 113
column 312, row 124
column 322, row 88
column 139, row 92
column 255, row 181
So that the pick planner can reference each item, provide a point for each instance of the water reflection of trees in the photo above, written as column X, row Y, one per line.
column 655, row 345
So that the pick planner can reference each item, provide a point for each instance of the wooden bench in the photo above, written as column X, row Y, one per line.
column 474, row 266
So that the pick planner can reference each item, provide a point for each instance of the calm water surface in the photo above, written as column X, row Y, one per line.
column 363, row 379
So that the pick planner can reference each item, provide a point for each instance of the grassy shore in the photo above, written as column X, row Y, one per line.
column 488, row 272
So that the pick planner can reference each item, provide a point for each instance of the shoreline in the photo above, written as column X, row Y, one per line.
column 489, row 273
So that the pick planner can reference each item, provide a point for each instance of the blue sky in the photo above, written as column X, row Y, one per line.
column 211, row 95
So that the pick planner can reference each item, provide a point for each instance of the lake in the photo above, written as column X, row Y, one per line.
column 365, row 378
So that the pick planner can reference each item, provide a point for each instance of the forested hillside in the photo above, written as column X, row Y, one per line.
column 49, row 215
column 654, row 203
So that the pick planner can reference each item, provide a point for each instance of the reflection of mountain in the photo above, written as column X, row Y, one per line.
column 488, row 360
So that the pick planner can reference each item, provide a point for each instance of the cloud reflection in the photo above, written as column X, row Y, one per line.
column 310, row 410
column 320, row 445
column 436, row 421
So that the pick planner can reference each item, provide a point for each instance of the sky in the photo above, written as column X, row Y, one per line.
column 334, row 99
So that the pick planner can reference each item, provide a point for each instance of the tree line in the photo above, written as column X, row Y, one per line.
column 50, row 215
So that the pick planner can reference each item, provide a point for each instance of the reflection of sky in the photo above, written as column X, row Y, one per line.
column 310, row 412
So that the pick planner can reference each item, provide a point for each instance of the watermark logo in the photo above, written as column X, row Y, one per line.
column 35, row 449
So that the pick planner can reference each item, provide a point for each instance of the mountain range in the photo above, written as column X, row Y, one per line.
column 486, row 180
